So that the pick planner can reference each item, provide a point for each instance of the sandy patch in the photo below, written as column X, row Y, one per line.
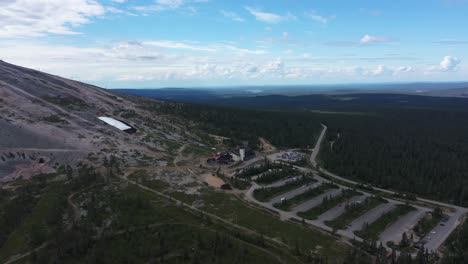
column 213, row 180
column 266, row 146
column 30, row 169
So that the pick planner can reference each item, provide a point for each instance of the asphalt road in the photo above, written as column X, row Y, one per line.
column 278, row 183
column 315, row 201
column 316, row 150
column 370, row 217
column 404, row 224
column 440, row 233
column 339, row 209
column 293, row 193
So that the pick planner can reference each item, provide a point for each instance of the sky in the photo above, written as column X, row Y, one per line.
column 201, row 43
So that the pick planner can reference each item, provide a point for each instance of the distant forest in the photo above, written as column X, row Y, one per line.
column 288, row 129
column 408, row 143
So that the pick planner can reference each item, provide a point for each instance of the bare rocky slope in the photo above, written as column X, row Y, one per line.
column 47, row 121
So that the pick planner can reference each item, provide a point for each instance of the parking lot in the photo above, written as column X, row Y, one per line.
column 393, row 232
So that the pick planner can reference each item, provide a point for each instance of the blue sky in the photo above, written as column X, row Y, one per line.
column 190, row 43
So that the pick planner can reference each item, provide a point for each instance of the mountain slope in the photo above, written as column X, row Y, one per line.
column 46, row 115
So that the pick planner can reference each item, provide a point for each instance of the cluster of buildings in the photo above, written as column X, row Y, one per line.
column 235, row 155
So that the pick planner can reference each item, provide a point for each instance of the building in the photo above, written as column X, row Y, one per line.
column 120, row 125
column 235, row 155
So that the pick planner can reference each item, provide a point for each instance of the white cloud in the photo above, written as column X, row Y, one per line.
column 165, row 63
column 449, row 63
column 319, row 18
column 177, row 45
column 269, row 17
column 232, row 15
column 164, row 5
column 241, row 51
column 403, row 69
column 119, row 1
column 367, row 39
column 382, row 70
column 27, row 18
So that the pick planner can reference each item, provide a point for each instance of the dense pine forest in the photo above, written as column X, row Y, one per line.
column 408, row 143
column 416, row 151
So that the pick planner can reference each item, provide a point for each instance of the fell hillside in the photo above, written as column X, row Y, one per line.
column 42, row 115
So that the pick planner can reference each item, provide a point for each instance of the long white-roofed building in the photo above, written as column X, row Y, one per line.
column 117, row 124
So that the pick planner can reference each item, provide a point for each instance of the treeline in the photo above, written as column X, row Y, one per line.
column 292, row 129
column 410, row 150
column 457, row 247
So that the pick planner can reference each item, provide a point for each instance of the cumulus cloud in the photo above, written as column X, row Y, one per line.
column 24, row 18
column 232, row 15
column 269, row 17
column 319, row 18
column 381, row 70
column 368, row 39
column 165, row 62
column 449, row 63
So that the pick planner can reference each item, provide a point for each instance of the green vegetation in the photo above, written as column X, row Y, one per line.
column 373, row 230
column 353, row 211
column 42, row 224
column 427, row 223
column 277, row 174
column 327, row 204
column 71, row 103
column 390, row 145
column 141, row 176
column 144, row 228
column 14, row 209
column 457, row 246
column 196, row 150
column 284, row 129
column 394, row 150
column 238, row 212
column 262, row 168
column 56, row 119
column 265, row 194
column 288, row 204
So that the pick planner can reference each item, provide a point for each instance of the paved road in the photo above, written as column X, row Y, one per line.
column 370, row 217
column 278, row 183
column 339, row 209
column 293, row 193
column 315, row 201
column 440, row 233
column 404, row 224
column 313, row 157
